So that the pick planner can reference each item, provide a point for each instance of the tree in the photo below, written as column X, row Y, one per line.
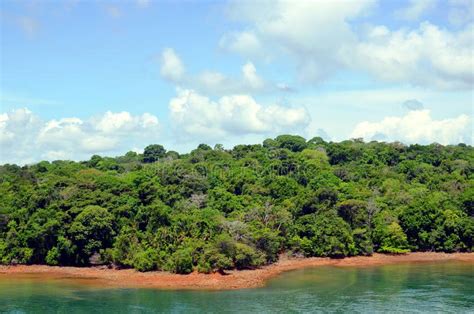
column 219, row 147
column 145, row 260
column 354, row 212
column 317, row 141
column 324, row 234
column 91, row 231
column 332, row 236
column 204, row 147
column 268, row 242
column 214, row 260
column 172, row 155
column 247, row 257
column 389, row 237
column 270, row 143
column 181, row 261
column 153, row 153
column 467, row 199
column 294, row 143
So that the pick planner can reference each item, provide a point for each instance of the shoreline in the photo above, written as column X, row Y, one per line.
column 234, row 279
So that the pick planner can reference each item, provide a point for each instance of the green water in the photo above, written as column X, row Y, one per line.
column 440, row 287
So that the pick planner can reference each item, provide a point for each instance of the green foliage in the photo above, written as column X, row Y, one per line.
column 213, row 259
column 52, row 258
column 91, row 230
column 388, row 235
column 181, row 261
column 363, row 241
column 268, row 242
column 247, row 257
column 217, row 209
column 353, row 212
column 145, row 260
column 294, row 143
column 393, row 250
column 153, row 153
column 330, row 235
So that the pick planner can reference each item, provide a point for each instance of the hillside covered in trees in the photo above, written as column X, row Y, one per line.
column 215, row 209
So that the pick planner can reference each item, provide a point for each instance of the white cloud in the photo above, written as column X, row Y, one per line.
column 112, row 122
column 19, row 119
column 217, row 83
column 120, row 122
column 427, row 55
column 212, row 82
column 298, row 29
column 339, row 111
column 16, row 142
column 415, row 9
column 378, row 32
column 61, row 133
column 51, row 155
column 243, row 43
column 251, row 77
column 172, row 67
column 195, row 115
column 417, row 126
column 5, row 135
column 461, row 12
column 98, row 143
column 25, row 138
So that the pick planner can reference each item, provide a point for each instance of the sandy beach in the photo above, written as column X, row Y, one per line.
column 236, row 279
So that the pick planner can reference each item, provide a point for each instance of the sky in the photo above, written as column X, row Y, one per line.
column 84, row 77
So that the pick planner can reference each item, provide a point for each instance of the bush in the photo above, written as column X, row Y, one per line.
column 363, row 242
column 181, row 261
column 301, row 246
column 52, row 256
column 388, row 235
column 330, row 235
column 247, row 257
column 213, row 260
column 294, row 143
column 22, row 255
column 145, row 260
column 268, row 242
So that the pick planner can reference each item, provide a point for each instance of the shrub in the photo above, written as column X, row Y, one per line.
column 181, row 261
column 145, row 260
column 52, row 256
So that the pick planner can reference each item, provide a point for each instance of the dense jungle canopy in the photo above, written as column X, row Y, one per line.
column 215, row 209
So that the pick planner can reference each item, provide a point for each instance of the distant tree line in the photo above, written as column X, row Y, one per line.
column 215, row 209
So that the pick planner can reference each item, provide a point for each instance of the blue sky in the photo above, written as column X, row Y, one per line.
column 85, row 77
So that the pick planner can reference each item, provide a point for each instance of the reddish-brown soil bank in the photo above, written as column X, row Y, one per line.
column 103, row 277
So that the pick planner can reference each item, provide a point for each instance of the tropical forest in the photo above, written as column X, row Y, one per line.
column 215, row 209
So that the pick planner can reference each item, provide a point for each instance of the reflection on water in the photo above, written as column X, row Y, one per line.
column 439, row 287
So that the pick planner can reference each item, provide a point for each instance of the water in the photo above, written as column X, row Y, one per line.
column 438, row 287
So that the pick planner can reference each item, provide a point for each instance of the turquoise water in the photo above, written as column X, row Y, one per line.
column 439, row 287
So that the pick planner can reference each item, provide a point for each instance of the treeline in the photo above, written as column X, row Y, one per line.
column 216, row 209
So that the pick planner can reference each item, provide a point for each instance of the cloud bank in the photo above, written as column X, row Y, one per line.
column 25, row 138
column 212, row 82
column 425, row 55
column 417, row 126
column 196, row 116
